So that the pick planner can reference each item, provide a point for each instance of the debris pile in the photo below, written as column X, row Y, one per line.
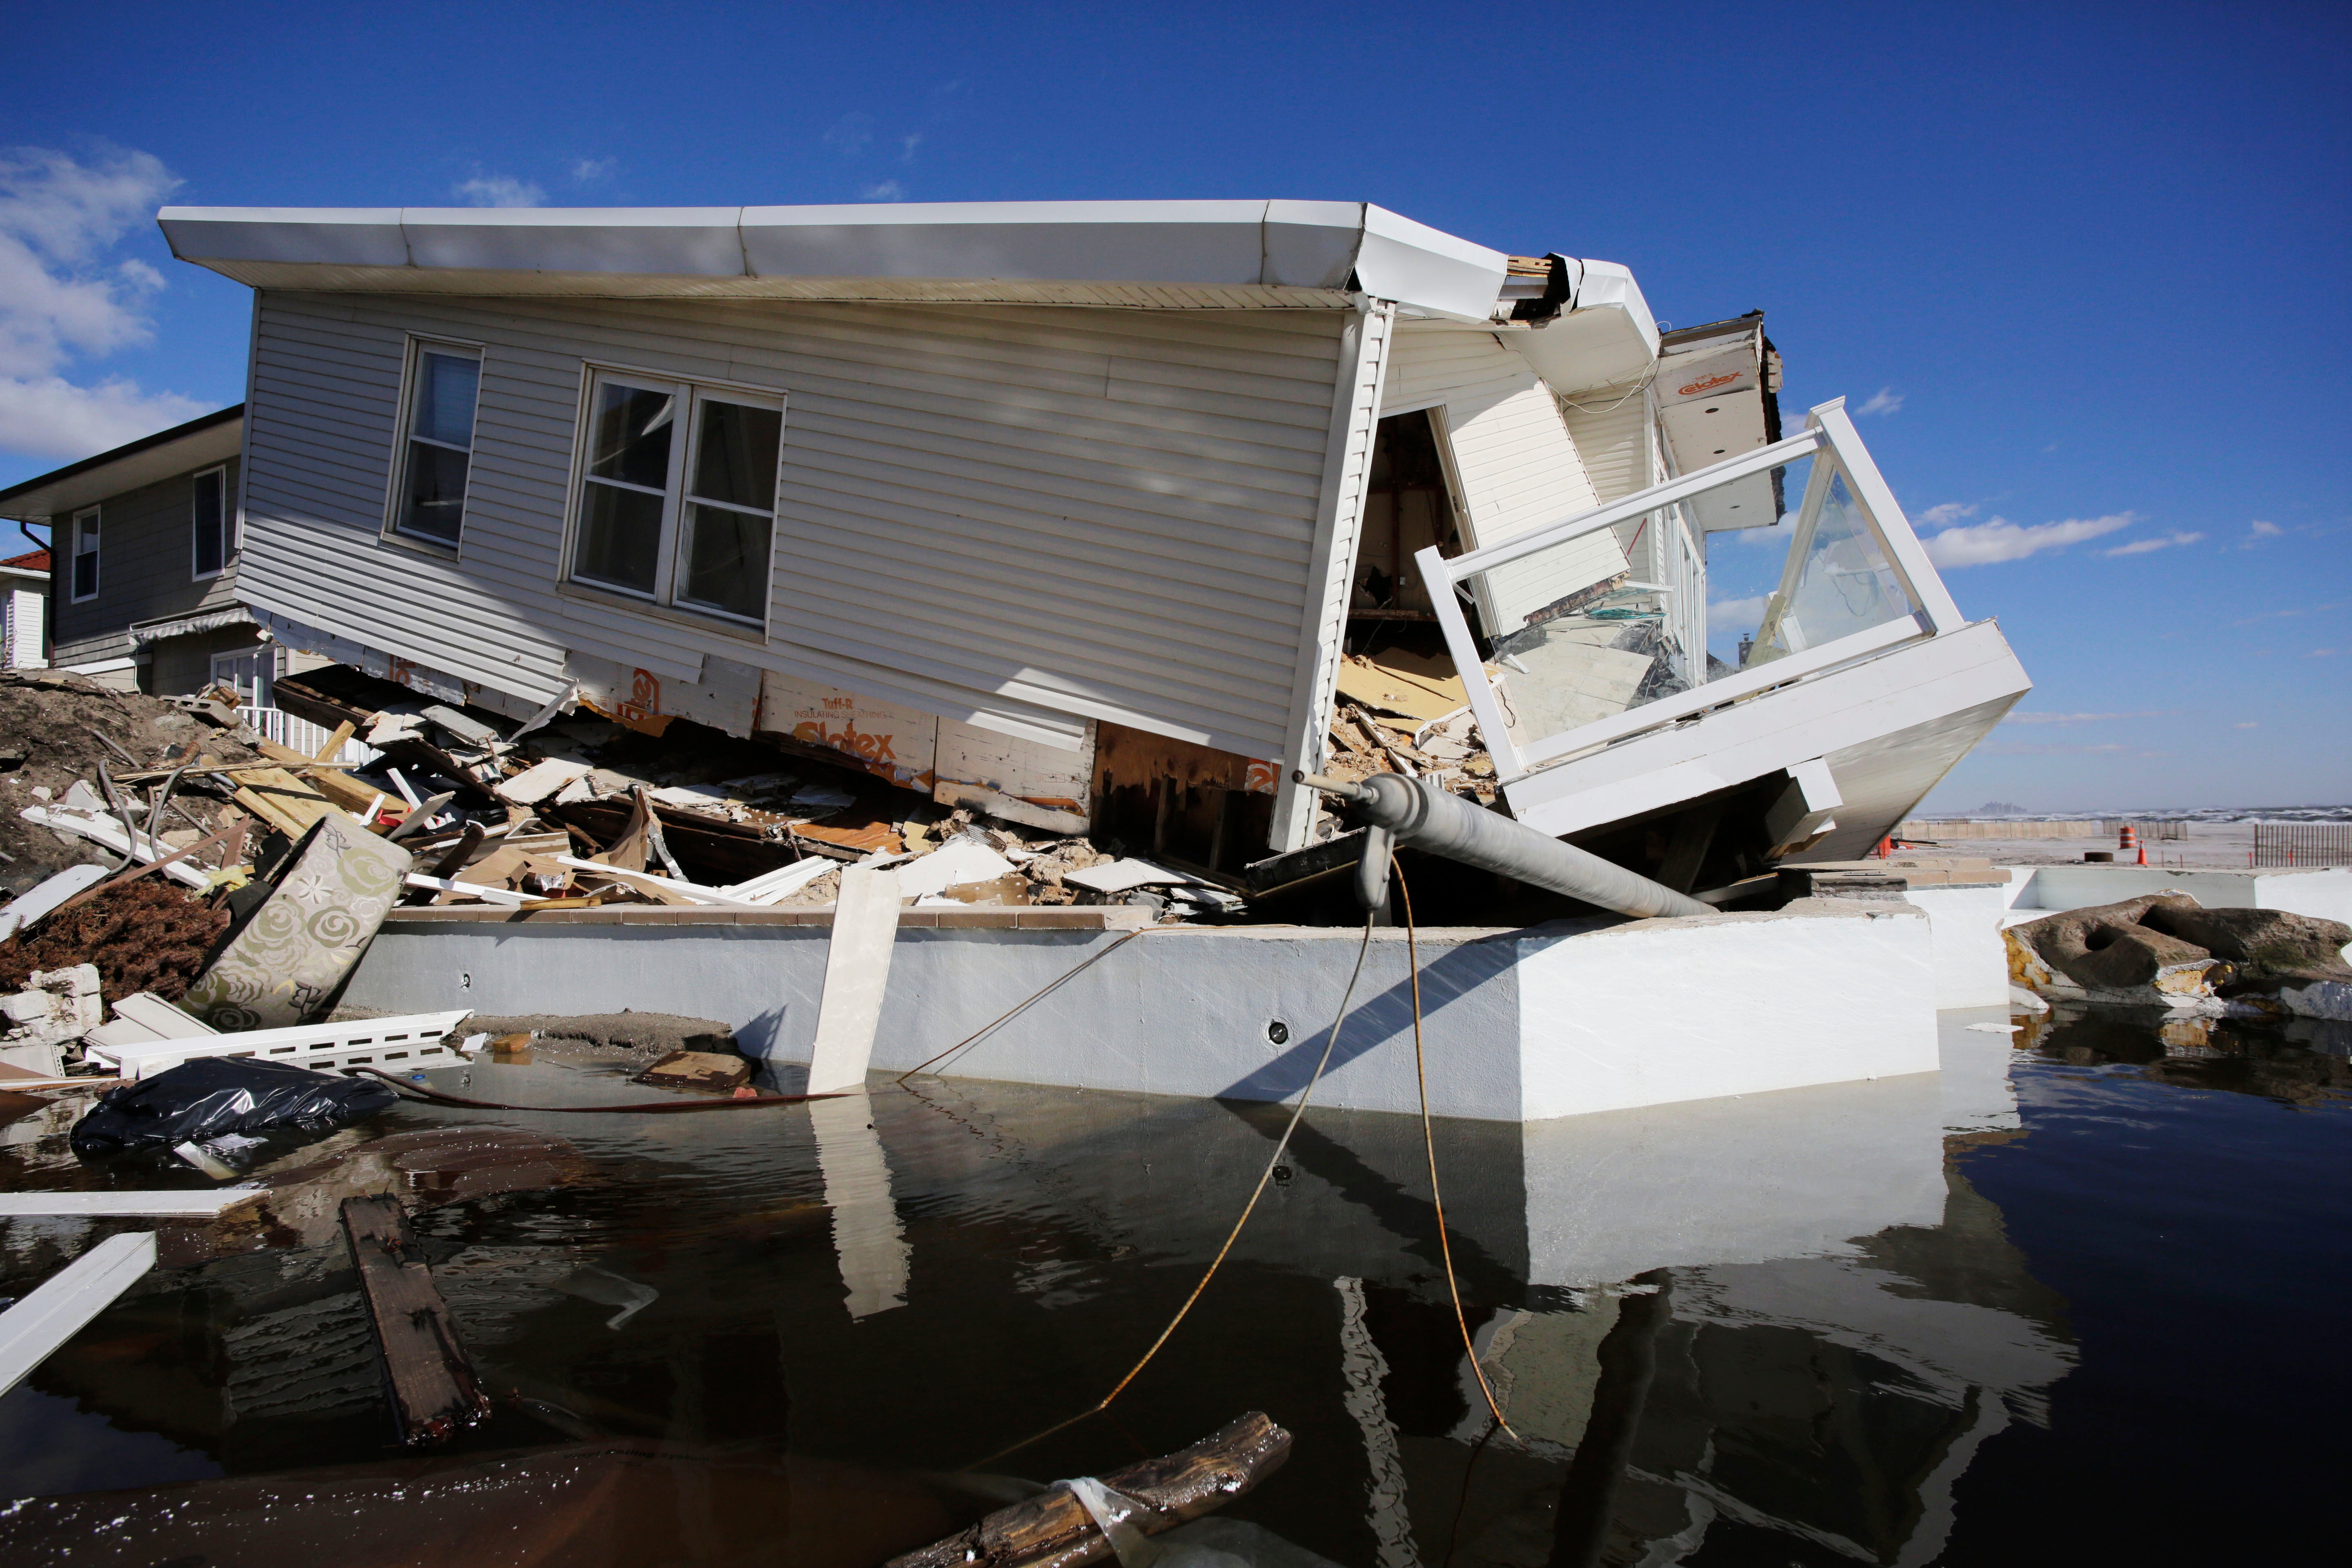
column 1407, row 713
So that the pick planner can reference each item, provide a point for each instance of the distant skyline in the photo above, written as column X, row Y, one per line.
column 2079, row 272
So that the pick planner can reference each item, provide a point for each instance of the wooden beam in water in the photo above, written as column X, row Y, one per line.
column 426, row 1376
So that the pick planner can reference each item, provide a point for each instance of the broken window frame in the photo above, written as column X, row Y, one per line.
column 403, row 468
column 677, row 498
column 218, row 477
column 1829, row 437
column 87, row 536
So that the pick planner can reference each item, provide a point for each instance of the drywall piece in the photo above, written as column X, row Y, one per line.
column 38, row 903
column 695, row 891
column 202, row 1205
column 952, row 864
column 867, row 1240
column 61, row 1304
column 1125, row 877
column 856, row 968
column 540, row 780
column 774, row 887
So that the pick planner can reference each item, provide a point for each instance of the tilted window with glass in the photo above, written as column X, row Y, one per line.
column 678, row 494
column 438, row 445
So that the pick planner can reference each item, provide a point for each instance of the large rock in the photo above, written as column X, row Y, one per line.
column 2166, row 949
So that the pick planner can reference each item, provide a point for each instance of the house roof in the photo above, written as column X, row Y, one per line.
column 208, row 438
column 31, row 560
column 1178, row 255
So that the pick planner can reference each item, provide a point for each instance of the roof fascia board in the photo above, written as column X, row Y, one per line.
column 1313, row 246
column 210, row 438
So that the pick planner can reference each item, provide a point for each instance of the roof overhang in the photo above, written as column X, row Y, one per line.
column 1605, row 337
column 1152, row 255
column 209, row 438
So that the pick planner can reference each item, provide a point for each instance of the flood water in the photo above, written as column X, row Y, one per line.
column 2079, row 1297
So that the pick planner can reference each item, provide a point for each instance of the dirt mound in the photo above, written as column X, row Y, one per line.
column 51, row 722
column 143, row 936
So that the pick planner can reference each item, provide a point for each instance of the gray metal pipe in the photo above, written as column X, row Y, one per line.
column 1412, row 812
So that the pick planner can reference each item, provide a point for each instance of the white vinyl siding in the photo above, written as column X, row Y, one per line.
column 1512, row 458
column 1101, row 513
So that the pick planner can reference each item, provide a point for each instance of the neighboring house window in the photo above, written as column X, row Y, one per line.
column 208, row 521
column 438, row 448
column 249, row 672
column 678, row 494
column 85, row 555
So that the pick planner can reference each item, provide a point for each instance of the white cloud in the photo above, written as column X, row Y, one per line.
column 2080, row 718
column 1736, row 615
column 499, row 191
column 2321, row 653
column 51, row 417
column 2258, row 530
column 907, row 145
column 1998, row 538
column 586, row 171
column 1943, row 515
column 888, row 191
column 62, row 298
column 2249, row 724
column 851, row 135
column 1885, row 400
column 2161, row 542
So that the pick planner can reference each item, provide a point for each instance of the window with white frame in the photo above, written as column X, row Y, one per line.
column 437, row 445
column 208, row 522
column 677, row 493
column 85, row 555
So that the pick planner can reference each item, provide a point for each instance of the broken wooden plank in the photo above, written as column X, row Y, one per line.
column 60, row 1305
column 698, row 1070
column 1054, row 1526
column 856, row 968
column 427, row 1378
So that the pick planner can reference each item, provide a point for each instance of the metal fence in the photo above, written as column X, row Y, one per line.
column 301, row 735
column 2150, row 832
column 2303, row 843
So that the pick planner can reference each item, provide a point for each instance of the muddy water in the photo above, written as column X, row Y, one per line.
column 2078, row 1299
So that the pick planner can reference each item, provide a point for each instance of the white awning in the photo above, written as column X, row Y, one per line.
column 189, row 626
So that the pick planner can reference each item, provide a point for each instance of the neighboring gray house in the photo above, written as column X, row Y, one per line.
column 145, row 540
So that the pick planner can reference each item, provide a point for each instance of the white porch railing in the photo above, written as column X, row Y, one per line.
column 300, row 734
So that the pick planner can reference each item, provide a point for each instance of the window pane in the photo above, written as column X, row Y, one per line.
column 620, row 536
column 436, row 503
column 736, row 461
column 208, row 522
column 445, row 398
column 1844, row 585
column 727, row 561
column 85, row 561
column 630, row 438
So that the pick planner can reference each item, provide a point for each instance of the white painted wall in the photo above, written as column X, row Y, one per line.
column 2322, row 893
column 1653, row 1012
column 1552, row 1022
column 1971, row 961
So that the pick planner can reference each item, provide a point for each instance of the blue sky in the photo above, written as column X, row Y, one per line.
column 2088, row 265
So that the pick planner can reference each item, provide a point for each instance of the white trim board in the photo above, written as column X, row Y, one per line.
column 62, row 1304
column 200, row 1203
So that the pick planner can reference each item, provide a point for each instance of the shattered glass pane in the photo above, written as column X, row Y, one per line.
column 630, row 438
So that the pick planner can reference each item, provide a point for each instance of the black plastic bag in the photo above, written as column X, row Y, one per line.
column 213, row 1094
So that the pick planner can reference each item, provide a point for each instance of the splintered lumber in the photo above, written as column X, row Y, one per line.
column 426, row 1377
column 1053, row 1526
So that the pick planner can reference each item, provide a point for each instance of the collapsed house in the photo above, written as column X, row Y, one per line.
column 1087, row 505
